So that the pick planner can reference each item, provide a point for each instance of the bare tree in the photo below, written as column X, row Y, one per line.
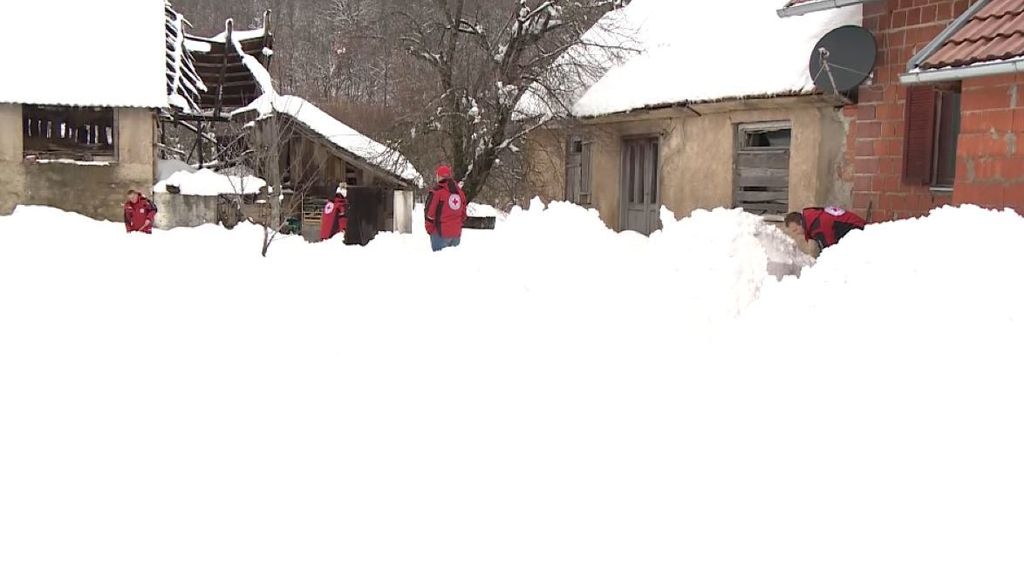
column 464, row 81
column 477, row 62
column 290, row 179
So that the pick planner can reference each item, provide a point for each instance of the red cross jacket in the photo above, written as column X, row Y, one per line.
column 446, row 209
column 829, row 225
column 137, row 214
column 335, row 219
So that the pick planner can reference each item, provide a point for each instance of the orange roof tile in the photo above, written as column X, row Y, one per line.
column 995, row 32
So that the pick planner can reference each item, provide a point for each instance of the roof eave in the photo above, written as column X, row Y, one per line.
column 938, row 41
column 961, row 73
column 694, row 107
column 817, row 6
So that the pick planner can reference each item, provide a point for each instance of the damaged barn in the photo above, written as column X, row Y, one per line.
column 237, row 123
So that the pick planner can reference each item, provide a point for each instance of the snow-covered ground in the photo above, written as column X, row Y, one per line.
column 550, row 393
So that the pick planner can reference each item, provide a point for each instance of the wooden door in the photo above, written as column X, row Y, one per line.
column 640, row 190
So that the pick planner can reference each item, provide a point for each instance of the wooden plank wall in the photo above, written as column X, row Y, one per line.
column 762, row 180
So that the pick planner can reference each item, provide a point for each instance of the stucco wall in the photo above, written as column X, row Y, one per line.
column 697, row 154
column 12, row 179
column 545, row 158
column 93, row 190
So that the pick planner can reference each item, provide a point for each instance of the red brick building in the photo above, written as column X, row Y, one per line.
column 941, row 121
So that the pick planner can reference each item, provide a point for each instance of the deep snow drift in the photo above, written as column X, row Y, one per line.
column 551, row 393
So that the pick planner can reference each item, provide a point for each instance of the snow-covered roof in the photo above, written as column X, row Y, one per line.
column 333, row 131
column 339, row 134
column 709, row 51
column 83, row 53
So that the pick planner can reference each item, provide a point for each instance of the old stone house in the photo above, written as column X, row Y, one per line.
column 700, row 120
column 941, row 121
column 77, row 133
column 78, row 113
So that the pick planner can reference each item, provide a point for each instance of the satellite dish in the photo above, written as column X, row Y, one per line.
column 843, row 59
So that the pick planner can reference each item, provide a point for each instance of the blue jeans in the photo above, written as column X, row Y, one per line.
column 438, row 242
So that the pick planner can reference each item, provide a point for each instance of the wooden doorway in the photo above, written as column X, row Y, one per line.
column 639, row 185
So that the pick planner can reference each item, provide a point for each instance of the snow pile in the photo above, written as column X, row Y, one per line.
column 550, row 393
column 68, row 52
column 203, row 182
column 165, row 168
column 481, row 210
column 685, row 59
column 920, row 264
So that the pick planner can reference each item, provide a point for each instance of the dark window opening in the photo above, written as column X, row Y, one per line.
column 81, row 134
column 762, row 169
column 351, row 175
column 768, row 139
column 947, row 131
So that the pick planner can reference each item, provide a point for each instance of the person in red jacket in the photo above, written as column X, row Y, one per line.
column 335, row 218
column 139, row 213
column 446, row 211
column 817, row 228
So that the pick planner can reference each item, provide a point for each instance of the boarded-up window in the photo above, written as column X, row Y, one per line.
column 59, row 132
column 577, row 171
column 930, row 139
column 762, row 168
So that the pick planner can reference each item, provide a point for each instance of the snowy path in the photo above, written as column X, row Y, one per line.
column 624, row 401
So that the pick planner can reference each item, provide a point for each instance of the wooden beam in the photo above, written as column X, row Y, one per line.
column 751, row 197
column 757, row 181
column 230, row 24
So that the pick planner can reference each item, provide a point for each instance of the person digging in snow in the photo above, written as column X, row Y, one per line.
column 335, row 218
column 817, row 228
column 446, row 211
column 139, row 213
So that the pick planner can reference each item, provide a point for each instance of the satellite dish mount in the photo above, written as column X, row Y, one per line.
column 843, row 60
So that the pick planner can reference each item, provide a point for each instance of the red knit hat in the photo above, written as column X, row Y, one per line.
column 444, row 172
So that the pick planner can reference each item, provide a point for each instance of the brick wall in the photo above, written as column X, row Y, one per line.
column 902, row 28
column 990, row 156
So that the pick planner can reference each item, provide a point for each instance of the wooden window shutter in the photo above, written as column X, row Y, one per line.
column 584, row 197
column 919, row 136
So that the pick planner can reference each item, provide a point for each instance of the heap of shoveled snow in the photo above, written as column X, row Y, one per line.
column 683, row 59
column 188, row 180
column 550, row 393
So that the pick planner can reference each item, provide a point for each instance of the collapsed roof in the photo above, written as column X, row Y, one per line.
column 214, row 73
